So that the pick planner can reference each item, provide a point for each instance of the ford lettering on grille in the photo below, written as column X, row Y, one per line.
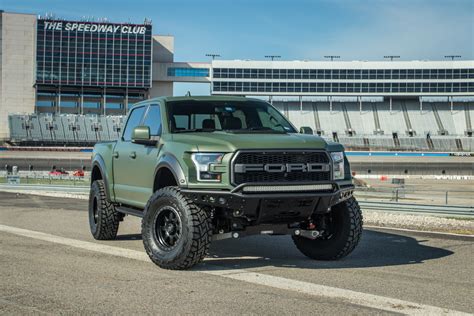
column 275, row 167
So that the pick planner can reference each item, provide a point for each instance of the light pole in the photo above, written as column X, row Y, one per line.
column 452, row 56
column 332, row 57
column 391, row 57
column 213, row 56
column 272, row 57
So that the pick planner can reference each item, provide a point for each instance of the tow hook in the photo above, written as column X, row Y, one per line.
column 310, row 234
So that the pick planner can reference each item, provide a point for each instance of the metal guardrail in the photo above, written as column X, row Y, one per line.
column 439, row 210
column 383, row 206
column 403, row 195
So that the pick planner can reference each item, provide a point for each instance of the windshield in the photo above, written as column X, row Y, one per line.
column 236, row 117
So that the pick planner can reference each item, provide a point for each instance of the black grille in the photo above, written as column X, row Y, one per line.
column 281, row 158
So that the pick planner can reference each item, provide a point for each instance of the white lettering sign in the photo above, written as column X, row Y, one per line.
column 94, row 27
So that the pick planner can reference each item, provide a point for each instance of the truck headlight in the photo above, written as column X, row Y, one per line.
column 203, row 162
column 338, row 165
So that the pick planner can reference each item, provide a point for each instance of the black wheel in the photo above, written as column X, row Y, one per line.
column 344, row 229
column 103, row 218
column 176, row 232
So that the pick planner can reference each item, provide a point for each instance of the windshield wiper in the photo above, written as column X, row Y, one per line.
column 260, row 128
column 256, row 129
column 193, row 130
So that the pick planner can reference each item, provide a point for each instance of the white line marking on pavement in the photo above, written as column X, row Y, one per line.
column 427, row 232
column 348, row 296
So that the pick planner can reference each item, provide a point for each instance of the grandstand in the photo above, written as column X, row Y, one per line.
column 374, row 126
column 65, row 130
column 378, row 126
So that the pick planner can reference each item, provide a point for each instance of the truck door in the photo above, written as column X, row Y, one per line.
column 146, row 156
column 134, row 163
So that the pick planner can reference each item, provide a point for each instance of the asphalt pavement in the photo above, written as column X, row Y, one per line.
column 49, row 263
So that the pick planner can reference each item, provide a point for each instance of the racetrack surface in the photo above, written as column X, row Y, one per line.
column 50, row 264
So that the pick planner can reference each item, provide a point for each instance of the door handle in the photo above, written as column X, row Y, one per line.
column 133, row 155
column 115, row 154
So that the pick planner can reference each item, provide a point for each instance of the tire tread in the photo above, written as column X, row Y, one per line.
column 202, row 231
column 109, row 217
column 355, row 233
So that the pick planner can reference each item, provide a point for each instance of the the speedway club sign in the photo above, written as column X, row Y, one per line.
column 94, row 27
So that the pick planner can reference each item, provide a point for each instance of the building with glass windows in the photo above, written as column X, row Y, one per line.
column 79, row 67
column 341, row 78
column 61, row 77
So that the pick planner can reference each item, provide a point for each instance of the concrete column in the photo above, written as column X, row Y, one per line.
column 59, row 99
column 360, row 104
column 390, row 105
column 301, row 104
column 421, row 105
column 211, row 77
column 125, row 101
column 81, row 102
column 36, row 102
column 104, row 100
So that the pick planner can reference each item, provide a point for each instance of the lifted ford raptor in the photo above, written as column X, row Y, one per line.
column 198, row 169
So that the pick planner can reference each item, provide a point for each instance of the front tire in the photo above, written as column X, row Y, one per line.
column 104, row 219
column 176, row 232
column 343, row 235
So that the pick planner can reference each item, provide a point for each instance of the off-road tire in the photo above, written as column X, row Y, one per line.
column 104, row 219
column 195, row 230
column 348, row 230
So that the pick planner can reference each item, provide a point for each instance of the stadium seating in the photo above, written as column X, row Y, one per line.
column 18, row 131
column 435, row 127
column 362, row 120
column 422, row 121
column 391, row 121
column 304, row 117
column 449, row 119
column 332, row 121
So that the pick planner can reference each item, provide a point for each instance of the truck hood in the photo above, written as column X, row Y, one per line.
column 230, row 142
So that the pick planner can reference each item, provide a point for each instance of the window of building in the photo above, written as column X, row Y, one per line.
column 188, row 72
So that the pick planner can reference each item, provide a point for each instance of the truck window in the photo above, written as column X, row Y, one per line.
column 181, row 122
column 238, row 116
column 133, row 121
column 153, row 120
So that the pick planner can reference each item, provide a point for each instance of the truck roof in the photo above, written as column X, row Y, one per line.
column 200, row 98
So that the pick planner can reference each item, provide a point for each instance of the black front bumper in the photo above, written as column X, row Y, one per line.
column 275, row 207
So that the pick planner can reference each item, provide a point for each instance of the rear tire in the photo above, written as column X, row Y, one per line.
column 104, row 219
column 345, row 233
column 176, row 232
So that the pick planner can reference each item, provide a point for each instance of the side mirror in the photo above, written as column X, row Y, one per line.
column 141, row 135
column 306, row 130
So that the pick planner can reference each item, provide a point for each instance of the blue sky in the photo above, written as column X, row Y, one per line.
column 298, row 29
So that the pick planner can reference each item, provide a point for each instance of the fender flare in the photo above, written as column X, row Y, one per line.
column 171, row 162
column 99, row 162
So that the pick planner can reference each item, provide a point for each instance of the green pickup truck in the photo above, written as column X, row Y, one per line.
column 198, row 169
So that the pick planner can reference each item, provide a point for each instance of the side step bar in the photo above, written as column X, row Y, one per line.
column 130, row 211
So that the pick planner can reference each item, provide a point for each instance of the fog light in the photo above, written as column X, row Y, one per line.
column 222, row 201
